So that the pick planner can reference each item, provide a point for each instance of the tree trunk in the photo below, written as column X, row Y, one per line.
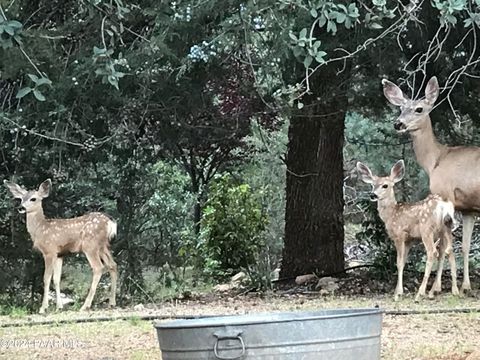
column 314, row 231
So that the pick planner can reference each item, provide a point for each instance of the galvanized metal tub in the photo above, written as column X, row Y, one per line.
column 339, row 334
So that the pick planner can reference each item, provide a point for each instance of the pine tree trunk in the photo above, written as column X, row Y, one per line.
column 314, row 231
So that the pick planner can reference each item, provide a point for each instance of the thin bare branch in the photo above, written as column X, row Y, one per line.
column 33, row 132
column 103, row 32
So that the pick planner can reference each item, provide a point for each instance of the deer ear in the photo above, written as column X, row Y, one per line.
column 393, row 93
column 432, row 90
column 398, row 171
column 365, row 173
column 44, row 188
column 16, row 190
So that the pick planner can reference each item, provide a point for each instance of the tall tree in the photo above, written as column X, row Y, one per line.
column 314, row 208
column 301, row 35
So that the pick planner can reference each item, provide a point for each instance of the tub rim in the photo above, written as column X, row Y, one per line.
column 263, row 318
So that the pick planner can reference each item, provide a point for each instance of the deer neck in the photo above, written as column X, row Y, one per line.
column 35, row 221
column 426, row 146
column 386, row 208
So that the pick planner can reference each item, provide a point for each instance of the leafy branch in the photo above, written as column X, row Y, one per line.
column 38, row 84
column 10, row 36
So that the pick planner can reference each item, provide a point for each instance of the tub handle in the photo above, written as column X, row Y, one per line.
column 237, row 335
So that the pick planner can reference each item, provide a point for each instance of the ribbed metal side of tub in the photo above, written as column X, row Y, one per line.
column 340, row 334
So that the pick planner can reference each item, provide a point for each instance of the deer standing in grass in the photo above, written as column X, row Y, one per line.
column 426, row 220
column 454, row 172
column 54, row 238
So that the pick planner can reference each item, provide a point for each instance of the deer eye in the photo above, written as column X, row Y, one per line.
column 419, row 110
column 33, row 199
column 384, row 186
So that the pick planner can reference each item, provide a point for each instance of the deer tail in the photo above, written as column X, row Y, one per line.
column 111, row 229
column 446, row 214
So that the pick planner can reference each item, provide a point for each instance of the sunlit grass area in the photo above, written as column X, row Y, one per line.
column 421, row 336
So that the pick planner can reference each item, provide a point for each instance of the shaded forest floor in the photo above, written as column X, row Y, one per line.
column 453, row 336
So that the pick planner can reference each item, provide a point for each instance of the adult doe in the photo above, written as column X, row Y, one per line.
column 427, row 220
column 454, row 171
column 54, row 238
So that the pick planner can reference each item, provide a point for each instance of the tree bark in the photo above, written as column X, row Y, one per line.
column 314, row 231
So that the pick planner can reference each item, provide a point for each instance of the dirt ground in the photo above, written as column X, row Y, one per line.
column 453, row 336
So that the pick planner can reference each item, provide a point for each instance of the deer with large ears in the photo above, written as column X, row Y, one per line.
column 454, row 172
column 54, row 238
column 426, row 220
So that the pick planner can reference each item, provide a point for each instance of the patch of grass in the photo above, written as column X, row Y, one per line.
column 135, row 320
column 76, row 305
column 472, row 316
column 144, row 355
column 439, row 351
column 17, row 312
column 452, row 301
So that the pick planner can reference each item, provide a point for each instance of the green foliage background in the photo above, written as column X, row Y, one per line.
column 134, row 108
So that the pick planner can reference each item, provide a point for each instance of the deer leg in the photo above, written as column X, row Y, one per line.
column 97, row 268
column 57, row 274
column 402, row 256
column 451, row 260
column 401, row 259
column 112, row 269
column 468, row 223
column 453, row 270
column 437, row 285
column 408, row 246
column 429, row 247
column 47, row 277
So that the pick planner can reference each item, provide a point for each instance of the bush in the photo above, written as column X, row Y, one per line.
column 233, row 223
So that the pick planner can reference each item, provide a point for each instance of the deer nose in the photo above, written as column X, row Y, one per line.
column 397, row 125
column 373, row 197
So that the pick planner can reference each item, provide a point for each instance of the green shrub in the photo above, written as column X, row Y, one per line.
column 233, row 223
column 14, row 311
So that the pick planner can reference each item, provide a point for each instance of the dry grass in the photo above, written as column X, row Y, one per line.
column 112, row 340
column 438, row 336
